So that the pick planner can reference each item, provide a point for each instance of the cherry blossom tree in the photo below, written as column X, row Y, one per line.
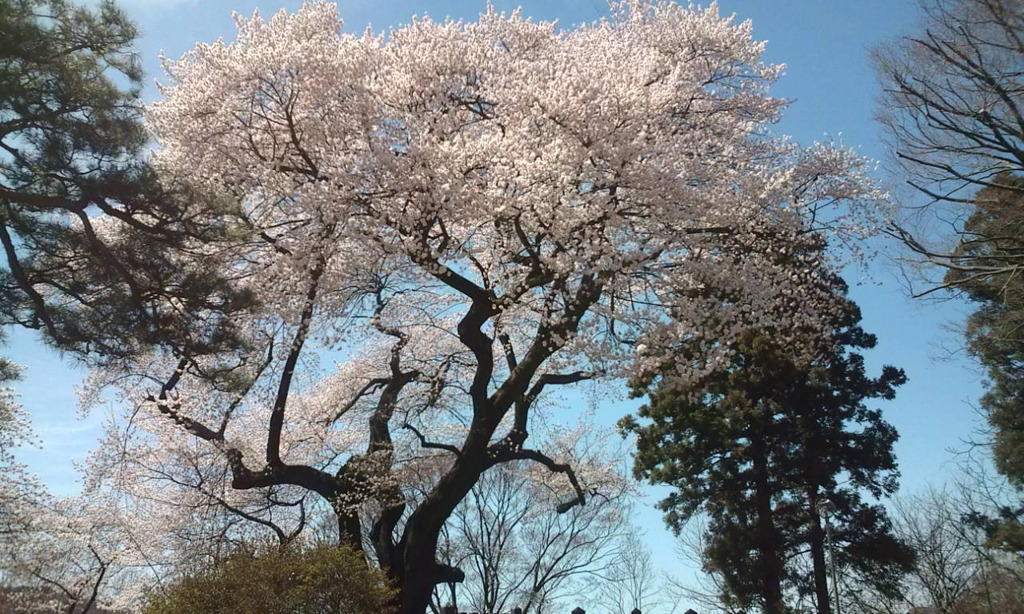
column 439, row 226
column 57, row 555
column 30, row 580
column 18, row 488
column 68, row 558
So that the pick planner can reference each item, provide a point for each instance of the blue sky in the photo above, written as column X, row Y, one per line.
column 825, row 45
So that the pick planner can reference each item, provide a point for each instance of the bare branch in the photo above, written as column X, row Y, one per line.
column 432, row 445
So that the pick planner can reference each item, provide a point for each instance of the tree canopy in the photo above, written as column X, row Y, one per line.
column 459, row 216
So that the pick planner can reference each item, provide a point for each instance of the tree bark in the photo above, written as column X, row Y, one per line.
column 768, row 537
column 421, row 571
column 817, row 539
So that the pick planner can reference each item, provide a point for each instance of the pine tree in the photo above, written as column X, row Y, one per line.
column 87, row 233
column 758, row 445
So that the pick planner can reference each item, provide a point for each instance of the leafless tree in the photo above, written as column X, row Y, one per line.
column 519, row 551
column 953, row 105
column 631, row 581
column 707, row 592
column 998, row 591
column 957, row 572
column 949, row 553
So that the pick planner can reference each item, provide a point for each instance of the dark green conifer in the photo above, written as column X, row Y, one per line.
column 759, row 444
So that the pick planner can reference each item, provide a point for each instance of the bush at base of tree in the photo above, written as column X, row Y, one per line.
column 322, row 580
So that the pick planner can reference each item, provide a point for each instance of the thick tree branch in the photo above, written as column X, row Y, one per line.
column 281, row 400
column 39, row 304
column 94, row 593
column 503, row 454
column 432, row 445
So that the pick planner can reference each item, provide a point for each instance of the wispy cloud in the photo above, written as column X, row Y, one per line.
column 57, row 429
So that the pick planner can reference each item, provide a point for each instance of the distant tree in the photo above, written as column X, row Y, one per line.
column 515, row 546
column 74, row 555
column 630, row 581
column 956, row 570
column 758, row 445
column 997, row 590
column 56, row 554
column 950, row 552
column 18, row 489
column 321, row 580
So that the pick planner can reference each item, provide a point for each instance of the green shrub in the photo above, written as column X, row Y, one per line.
column 322, row 580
